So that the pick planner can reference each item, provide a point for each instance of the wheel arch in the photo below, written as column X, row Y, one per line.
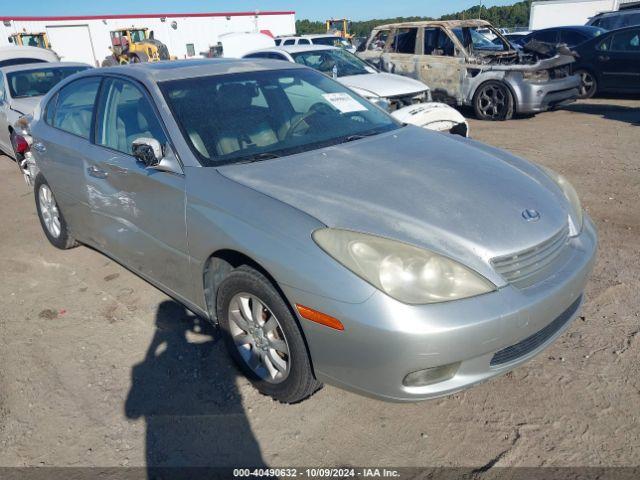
column 502, row 81
column 224, row 261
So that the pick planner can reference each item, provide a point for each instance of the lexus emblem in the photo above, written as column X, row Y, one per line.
column 531, row 215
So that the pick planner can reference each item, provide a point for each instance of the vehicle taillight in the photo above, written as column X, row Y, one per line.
column 21, row 144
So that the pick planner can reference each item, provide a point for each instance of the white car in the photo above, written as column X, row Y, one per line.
column 21, row 88
column 408, row 100
column 327, row 40
column 19, row 55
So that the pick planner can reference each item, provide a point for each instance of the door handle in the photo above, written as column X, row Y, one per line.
column 96, row 172
column 604, row 58
column 39, row 147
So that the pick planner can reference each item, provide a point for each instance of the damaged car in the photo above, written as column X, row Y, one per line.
column 408, row 100
column 465, row 68
column 21, row 89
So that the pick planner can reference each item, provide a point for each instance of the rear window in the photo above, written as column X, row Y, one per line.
column 19, row 61
column 37, row 82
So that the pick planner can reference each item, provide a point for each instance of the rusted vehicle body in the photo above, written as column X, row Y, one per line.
column 464, row 68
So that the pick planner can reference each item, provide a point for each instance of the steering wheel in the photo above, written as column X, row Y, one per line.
column 318, row 108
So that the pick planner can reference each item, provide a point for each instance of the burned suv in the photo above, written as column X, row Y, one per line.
column 463, row 67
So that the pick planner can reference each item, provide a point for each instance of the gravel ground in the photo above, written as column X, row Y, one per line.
column 98, row 368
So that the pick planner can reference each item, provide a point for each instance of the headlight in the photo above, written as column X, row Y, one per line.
column 538, row 76
column 576, row 217
column 381, row 102
column 407, row 273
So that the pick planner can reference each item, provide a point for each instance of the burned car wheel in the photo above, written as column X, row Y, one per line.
column 263, row 337
column 588, row 84
column 493, row 101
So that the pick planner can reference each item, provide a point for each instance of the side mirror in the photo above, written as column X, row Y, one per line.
column 147, row 151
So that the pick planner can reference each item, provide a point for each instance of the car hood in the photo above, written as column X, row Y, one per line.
column 384, row 84
column 442, row 192
column 25, row 105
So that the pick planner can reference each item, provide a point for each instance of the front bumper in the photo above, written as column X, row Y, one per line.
column 532, row 98
column 384, row 340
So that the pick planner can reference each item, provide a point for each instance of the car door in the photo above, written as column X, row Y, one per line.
column 620, row 65
column 5, row 141
column 61, row 146
column 442, row 65
column 138, row 212
column 401, row 55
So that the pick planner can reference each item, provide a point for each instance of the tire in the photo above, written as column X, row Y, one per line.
column 493, row 101
column 588, row 84
column 58, row 237
column 284, row 372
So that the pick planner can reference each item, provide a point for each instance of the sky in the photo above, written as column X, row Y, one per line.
column 311, row 9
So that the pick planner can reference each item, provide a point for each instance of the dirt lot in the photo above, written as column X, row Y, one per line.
column 98, row 368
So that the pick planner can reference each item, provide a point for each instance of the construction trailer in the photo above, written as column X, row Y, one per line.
column 557, row 13
column 87, row 38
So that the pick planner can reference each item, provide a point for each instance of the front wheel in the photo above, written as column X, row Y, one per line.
column 263, row 337
column 588, row 84
column 51, row 218
column 493, row 101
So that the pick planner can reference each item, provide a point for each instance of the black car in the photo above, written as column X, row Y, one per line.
column 610, row 62
column 615, row 20
column 572, row 36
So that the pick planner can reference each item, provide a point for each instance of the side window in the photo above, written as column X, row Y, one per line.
column 51, row 110
column 628, row 41
column 549, row 36
column 605, row 45
column 404, row 40
column 430, row 40
column 124, row 115
column 572, row 38
column 74, row 109
column 191, row 50
column 291, row 41
column 278, row 42
column 445, row 45
column 304, row 41
column 379, row 41
column 3, row 95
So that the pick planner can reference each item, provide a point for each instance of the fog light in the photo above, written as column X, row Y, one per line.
column 422, row 378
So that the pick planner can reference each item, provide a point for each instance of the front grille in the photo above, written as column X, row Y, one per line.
column 531, row 343
column 401, row 101
column 529, row 266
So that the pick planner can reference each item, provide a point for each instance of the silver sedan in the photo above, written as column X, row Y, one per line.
column 329, row 242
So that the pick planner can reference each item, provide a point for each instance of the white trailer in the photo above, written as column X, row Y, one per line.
column 87, row 39
column 557, row 13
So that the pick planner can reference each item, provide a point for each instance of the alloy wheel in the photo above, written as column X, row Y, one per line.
column 49, row 210
column 259, row 338
column 493, row 101
column 587, row 84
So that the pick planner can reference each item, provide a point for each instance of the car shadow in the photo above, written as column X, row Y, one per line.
column 186, row 392
column 620, row 113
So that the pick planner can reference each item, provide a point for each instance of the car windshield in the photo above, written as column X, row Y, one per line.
column 33, row 40
column 35, row 83
column 473, row 39
column 331, row 41
column 325, row 61
column 255, row 116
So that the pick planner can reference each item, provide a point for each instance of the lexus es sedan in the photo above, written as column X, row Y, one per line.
column 330, row 243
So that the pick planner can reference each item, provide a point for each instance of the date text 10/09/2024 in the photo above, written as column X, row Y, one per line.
column 315, row 473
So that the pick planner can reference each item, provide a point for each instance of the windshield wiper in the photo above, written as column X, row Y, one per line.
column 359, row 136
column 258, row 157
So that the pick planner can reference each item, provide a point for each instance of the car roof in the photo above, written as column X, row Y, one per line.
column 626, row 11
column 305, row 48
column 309, row 36
column 576, row 28
column 9, row 52
column 439, row 23
column 41, row 66
column 180, row 69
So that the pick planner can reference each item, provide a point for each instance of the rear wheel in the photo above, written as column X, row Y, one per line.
column 493, row 101
column 110, row 61
column 588, row 84
column 263, row 337
column 51, row 218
